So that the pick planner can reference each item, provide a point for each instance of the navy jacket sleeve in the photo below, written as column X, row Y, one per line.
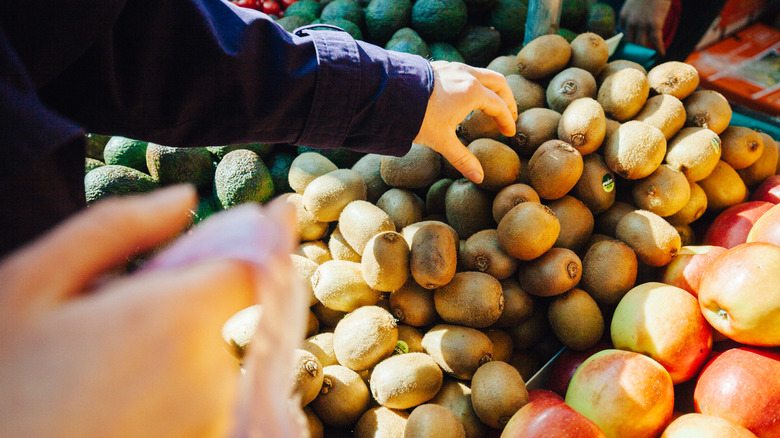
column 205, row 72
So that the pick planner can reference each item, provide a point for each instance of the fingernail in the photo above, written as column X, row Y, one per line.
column 475, row 176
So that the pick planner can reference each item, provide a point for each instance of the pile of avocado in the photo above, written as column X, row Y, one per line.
column 470, row 31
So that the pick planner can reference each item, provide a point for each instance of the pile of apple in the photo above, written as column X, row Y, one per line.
column 694, row 354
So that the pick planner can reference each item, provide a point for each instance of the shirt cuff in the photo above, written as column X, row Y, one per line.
column 366, row 98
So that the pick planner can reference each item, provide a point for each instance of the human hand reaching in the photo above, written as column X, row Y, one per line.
column 85, row 353
column 643, row 22
column 459, row 89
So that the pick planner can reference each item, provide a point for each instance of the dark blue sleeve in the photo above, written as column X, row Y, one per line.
column 205, row 72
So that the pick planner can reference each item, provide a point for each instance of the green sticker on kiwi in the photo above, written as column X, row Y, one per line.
column 401, row 347
column 607, row 182
column 716, row 143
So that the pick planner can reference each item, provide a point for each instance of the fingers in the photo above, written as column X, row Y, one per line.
column 496, row 82
column 94, row 241
column 461, row 158
column 496, row 107
column 657, row 41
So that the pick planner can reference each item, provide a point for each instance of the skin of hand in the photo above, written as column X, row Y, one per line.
column 85, row 353
column 643, row 22
column 459, row 89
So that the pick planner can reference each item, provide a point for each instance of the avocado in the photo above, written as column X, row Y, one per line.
column 439, row 20
column 172, row 165
column 92, row 163
column 279, row 165
column 384, row 17
column 479, row 45
column 441, row 51
column 573, row 14
column 242, row 177
column 292, row 22
column 207, row 206
column 261, row 149
column 308, row 9
column 408, row 41
column 508, row 17
column 349, row 10
column 95, row 145
column 601, row 20
column 126, row 152
column 115, row 179
column 347, row 26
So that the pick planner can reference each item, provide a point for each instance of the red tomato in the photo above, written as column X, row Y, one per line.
column 271, row 7
column 287, row 3
column 251, row 4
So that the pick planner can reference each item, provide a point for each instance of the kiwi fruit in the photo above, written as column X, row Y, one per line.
column 385, row 261
column 528, row 230
column 606, row 222
column 403, row 206
column 510, row 196
column 306, row 167
column 616, row 65
column 693, row 209
column 478, row 125
column 497, row 392
column 518, row 304
column 471, row 299
column 409, row 339
column 764, row 167
column 589, row 51
column 312, row 324
column 313, row 423
column 364, row 337
column 456, row 396
column 694, row 151
column 430, row 420
column 504, row 64
column 410, row 230
column 481, row 252
column 380, row 422
column 528, row 94
column 328, row 194
column 339, row 285
column 583, row 125
column 458, row 350
column 665, row 112
column 343, row 398
column 434, row 198
column 327, row 317
column 533, row 127
column 304, row 269
column 569, row 85
column 502, row 344
column 664, row 192
column 321, row 346
column 406, row 380
column 771, row 142
column 554, row 169
column 544, row 56
column 553, row 273
column 687, row 235
column 468, row 208
column 340, row 249
column 307, row 376
column 307, row 226
column 433, row 256
column 623, row 94
column 576, row 320
column 612, row 127
column 420, row 167
column 723, row 187
column 740, row 146
column 674, row 78
column 577, row 222
column 500, row 163
column 635, row 150
column 368, row 166
column 239, row 330
column 315, row 250
column 707, row 109
column 360, row 221
column 596, row 186
column 412, row 304
column 530, row 331
column 653, row 239
column 609, row 270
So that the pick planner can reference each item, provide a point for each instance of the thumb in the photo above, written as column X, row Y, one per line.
column 92, row 242
column 462, row 159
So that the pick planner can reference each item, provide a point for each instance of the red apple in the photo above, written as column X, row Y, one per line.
column 699, row 425
column 665, row 323
column 740, row 294
column 542, row 393
column 562, row 370
column 549, row 417
column 768, row 190
column 731, row 227
column 626, row 394
column 688, row 265
column 767, row 227
column 742, row 385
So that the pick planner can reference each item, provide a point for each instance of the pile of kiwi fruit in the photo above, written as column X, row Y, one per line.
column 434, row 299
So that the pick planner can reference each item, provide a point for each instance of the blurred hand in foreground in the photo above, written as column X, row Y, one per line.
column 88, row 354
column 643, row 22
column 459, row 89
